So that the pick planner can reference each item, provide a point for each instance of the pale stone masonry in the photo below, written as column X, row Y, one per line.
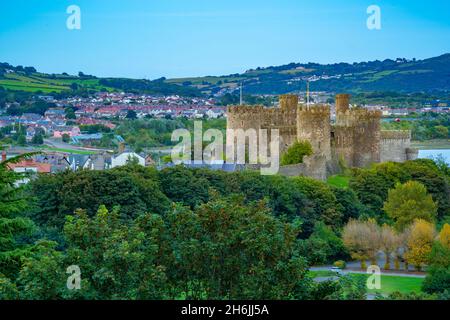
column 355, row 139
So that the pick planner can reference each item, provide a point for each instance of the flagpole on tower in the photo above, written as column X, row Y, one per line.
column 240, row 95
column 307, row 93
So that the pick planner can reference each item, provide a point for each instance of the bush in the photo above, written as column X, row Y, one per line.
column 340, row 264
column 296, row 152
column 438, row 277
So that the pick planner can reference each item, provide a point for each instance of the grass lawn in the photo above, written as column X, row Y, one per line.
column 339, row 181
column 389, row 284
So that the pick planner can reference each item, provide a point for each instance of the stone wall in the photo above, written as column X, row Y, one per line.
column 313, row 166
column 366, row 137
column 342, row 144
column 313, row 125
column 395, row 146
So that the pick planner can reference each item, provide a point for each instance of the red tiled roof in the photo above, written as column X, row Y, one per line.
column 30, row 163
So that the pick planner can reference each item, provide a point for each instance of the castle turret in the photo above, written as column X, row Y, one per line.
column 288, row 101
column 342, row 102
column 342, row 105
column 313, row 125
column 366, row 136
column 242, row 117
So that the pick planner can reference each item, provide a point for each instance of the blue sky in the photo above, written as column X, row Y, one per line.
column 179, row 38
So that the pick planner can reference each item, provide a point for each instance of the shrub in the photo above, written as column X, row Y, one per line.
column 340, row 264
column 296, row 152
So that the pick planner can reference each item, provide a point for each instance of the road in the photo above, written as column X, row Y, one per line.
column 384, row 273
column 63, row 145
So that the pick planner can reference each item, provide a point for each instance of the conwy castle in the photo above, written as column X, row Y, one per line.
column 353, row 139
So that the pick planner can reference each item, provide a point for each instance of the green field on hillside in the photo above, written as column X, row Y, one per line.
column 41, row 82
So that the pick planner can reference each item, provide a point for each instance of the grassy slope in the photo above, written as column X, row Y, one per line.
column 339, row 181
column 41, row 82
column 427, row 74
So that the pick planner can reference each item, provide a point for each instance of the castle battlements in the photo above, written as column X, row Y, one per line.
column 288, row 101
column 395, row 134
column 315, row 109
column 245, row 109
column 360, row 114
column 356, row 136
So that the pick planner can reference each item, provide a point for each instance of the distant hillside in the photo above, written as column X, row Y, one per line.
column 27, row 79
column 400, row 75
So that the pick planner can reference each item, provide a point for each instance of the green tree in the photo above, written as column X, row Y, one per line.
column 117, row 261
column 13, row 224
column 226, row 249
column 21, row 140
column 134, row 190
column 65, row 138
column 295, row 153
column 131, row 114
column 323, row 246
column 410, row 201
column 180, row 185
column 70, row 113
column 438, row 272
column 37, row 139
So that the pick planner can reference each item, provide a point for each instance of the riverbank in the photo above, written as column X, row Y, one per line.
column 431, row 144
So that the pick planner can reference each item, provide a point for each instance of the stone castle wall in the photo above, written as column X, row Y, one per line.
column 396, row 146
column 356, row 137
column 342, row 144
column 313, row 125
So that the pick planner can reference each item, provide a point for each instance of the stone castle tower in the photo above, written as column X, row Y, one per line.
column 355, row 138
column 313, row 125
column 356, row 133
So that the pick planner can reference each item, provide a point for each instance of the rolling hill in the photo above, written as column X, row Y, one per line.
column 404, row 76
column 400, row 75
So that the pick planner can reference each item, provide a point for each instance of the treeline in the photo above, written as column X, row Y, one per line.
column 139, row 233
column 136, row 233
column 157, row 86
column 4, row 67
column 141, row 134
column 427, row 126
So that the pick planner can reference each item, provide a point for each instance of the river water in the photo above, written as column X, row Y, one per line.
column 434, row 153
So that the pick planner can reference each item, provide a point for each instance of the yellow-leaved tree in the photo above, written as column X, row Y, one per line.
column 362, row 239
column 420, row 242
column 444, row 235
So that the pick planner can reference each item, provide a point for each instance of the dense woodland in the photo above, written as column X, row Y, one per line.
column 139, row 233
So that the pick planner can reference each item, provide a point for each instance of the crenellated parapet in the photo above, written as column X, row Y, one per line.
column 342, row 102
column 244, row 109
column 313, row 125
column 396, row 134
column 356, row 137
column 315, row 110
column 288, row 101
column 356, row 116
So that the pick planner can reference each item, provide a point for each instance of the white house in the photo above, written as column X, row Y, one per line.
column 123, row 158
